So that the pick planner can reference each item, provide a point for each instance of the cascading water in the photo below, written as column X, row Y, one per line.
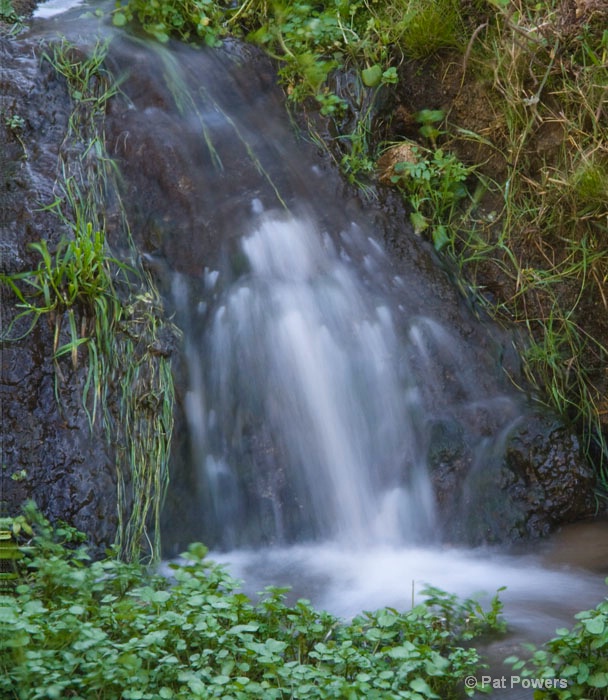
column 323, row 379
column 317, row 387
column 329, row 386
column 299, row 350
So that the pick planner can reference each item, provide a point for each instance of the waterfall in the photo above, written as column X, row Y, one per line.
column 320, row 370
column 301, row 355
column 326, row 383
column 342, row 418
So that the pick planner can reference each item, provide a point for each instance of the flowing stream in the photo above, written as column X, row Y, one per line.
column 319, row 374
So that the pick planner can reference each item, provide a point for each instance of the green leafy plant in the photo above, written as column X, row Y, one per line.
column 578, row 656
column 7, row 13
column 187, row 19
column 74, row 282
column 111, row 630
column 434, row 183
column 15, row 122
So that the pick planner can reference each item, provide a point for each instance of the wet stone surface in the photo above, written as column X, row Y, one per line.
column 49, row 453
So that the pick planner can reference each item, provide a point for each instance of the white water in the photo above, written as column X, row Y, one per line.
column 538, row 592
column 52, row 8
column 308, row 380
column 303, row 343
column 301, row 349
column 542, row 590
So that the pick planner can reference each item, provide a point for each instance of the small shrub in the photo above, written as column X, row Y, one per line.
column 186, row 19
column 433, row 181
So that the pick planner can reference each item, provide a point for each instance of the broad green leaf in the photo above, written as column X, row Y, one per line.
column 421, row 686
column 595, row 625
column 372, row 76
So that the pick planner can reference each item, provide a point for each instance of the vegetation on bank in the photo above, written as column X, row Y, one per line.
column 505, row 168
column 577, row 656
column 113, row 630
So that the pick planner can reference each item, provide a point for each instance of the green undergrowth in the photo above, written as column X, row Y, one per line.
column 106, row 316
column 546, row 238
column 577, row 656
column 112, row 630
column 311, row 41
column 7, row 13
column 107, row 629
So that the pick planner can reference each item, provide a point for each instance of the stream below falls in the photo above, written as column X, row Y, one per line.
column 321, row 378
column 546, row 584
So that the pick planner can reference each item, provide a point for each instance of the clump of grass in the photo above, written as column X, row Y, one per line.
column 109, row 307
column 74, row 283
column 420, row 28
column 133, row 360
column 549, row 241
column 146, row 420
column 589, row 185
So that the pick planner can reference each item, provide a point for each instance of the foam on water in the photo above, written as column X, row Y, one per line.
column 347, row 581
column 52, row 8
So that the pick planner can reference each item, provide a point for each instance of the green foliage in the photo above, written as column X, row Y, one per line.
column 313, row 40
column 15, row 122
column 434, row 184
column 111, row 630
column 84, row 75
column 421, row 28
column 73, row 282
column 579, row 655
column 549, row 76
column 7, row 13
column 186, row 19
column 145, row 424
column 310, row 40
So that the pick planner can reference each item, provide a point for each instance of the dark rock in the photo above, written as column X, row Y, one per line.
column 49, row 452
column 551, row 476
column 539, row 479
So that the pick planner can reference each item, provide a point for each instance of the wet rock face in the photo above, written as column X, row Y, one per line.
column 550, row 477
column 539, row 480
column 49, row 453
